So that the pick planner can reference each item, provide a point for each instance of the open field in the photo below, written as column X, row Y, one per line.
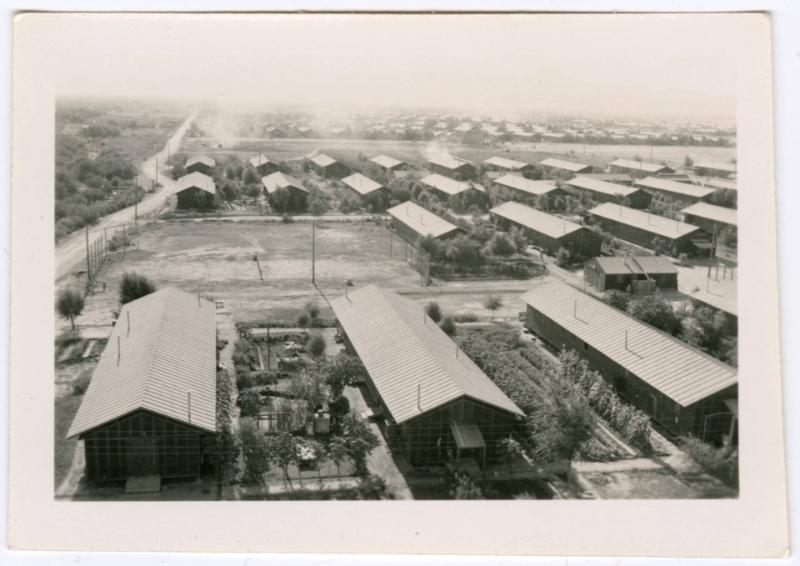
column 417, row 152
column 216, row 259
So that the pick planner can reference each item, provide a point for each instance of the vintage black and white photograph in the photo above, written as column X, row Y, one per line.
column 324, row 260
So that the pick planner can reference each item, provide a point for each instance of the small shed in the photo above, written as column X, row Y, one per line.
column 388, row 164
column 326, row 166
column 263, row 164
column 196, row 190
column 635, row 274
column 200, row 164
column 150, row 409
column 297, row 194
column 453, row 167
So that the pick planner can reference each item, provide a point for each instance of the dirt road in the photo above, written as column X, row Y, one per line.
column 70, row 252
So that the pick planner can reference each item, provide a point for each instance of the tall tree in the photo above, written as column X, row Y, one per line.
column 69, row 304
column 360, row 441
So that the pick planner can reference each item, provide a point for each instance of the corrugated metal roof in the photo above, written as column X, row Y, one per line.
column 322, row 160
column 727, row 184
column 676, row 369
column 386, row 161
column 529, row 186
column 674, row 187
column 445, row 184
column 362, row 184
column 712, row 212
column 258, row 160
column 169, row 353
column 206, row 160
column 716, row 166
column 563, row 164
column 537, row 220
column 654, row 223
column 414, row 365
column 196, row 179
column 623, row 178
column 448, row 161
column 639, row 165
column 420, row 220
column 620, row 265
column 505, row 163
column 602, row 187
column 278, row 180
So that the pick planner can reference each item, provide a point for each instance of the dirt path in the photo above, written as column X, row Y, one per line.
column 69, row 486
column 380, row 461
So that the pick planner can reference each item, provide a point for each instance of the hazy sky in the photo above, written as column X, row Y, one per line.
column 668, row 65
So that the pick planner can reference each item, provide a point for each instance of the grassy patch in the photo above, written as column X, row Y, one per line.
column 65, row 409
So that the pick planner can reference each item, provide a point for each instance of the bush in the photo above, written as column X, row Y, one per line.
column 134, row 286
column 563, row 257
column 286, row 218
column 81, row 384
column 722, row 462
column 465, row 317
column 448, row 325
column 434, row 311
column 315, row 345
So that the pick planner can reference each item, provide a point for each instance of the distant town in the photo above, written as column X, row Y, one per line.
column 376, row 305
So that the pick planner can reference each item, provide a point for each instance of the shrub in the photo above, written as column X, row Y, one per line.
column 249, row 403
column 286, row 218
column 563, row 257
column 134, row 286
column 315, row 345
column 448, row 325
column 465, row 317
column 721, row 462
column 81, row 384
column 434, row 311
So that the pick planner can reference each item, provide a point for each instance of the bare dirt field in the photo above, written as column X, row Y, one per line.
column 216, row 259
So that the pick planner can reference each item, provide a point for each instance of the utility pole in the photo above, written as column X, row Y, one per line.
column 711, row 256
column 313, row 250
column 88, row 258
